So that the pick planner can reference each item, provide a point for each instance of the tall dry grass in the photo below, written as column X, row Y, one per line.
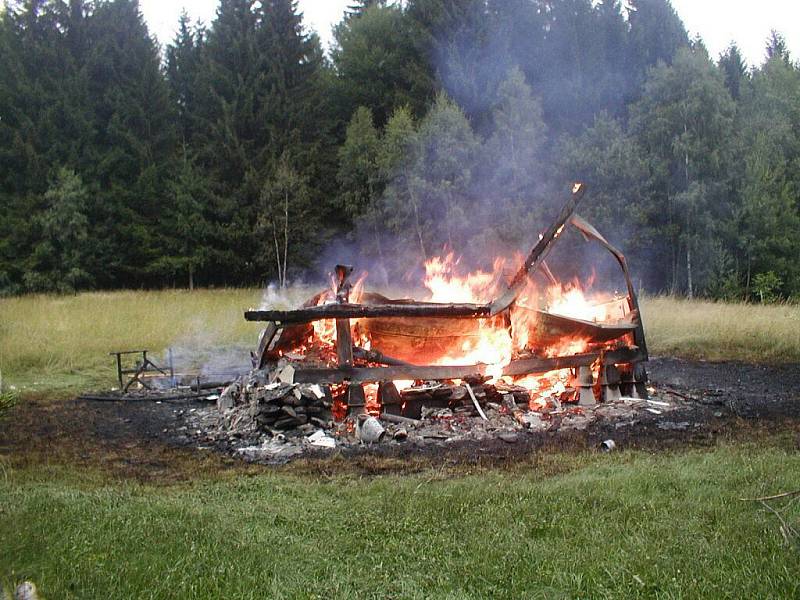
column 62, row 342
column 722, row 331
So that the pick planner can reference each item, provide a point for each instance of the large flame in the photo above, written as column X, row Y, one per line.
column 493, row 342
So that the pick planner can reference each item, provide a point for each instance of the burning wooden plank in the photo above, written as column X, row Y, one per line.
column 538, row 254
column 515, row 368
column 360, row 311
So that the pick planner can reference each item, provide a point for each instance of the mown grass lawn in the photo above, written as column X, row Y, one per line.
column 624, row 525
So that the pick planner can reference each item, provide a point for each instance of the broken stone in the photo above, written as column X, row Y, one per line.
column 286, row 375
column 321, row 440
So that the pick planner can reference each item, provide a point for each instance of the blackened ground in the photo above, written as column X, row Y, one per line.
column 148, row 441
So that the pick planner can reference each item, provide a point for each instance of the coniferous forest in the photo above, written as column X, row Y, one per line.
column 242, row 153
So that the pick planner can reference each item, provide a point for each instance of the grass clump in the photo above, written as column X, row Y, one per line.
column 627, row 525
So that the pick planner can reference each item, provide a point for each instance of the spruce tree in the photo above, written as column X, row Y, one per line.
column 734, row 70
column 134, row 142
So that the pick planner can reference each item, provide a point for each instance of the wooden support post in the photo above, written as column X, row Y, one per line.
column 344, row 343
column 356, row 400
column 344, row 338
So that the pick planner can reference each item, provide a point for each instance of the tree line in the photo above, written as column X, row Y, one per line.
column 241, row 153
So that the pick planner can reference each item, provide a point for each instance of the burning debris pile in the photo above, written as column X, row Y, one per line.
column 479, row 356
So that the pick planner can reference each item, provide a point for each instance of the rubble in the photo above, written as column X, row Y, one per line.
column 262, row 418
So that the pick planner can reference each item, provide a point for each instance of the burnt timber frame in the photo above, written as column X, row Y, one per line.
column 342, row 311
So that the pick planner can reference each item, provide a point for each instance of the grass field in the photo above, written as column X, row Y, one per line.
column 629, row 525
column 61, row 344
column 571, row 524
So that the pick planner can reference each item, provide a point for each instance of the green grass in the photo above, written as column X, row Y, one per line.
column 625, row 525
column 565, row 525
column 60, row 344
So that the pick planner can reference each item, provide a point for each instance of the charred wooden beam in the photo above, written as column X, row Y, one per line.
column 538, row 254
column 344, row 337
column 372, row 374
column 361, row 311
column 373, row 356
column 441, row 372
column 530, row 366
column 264, row 345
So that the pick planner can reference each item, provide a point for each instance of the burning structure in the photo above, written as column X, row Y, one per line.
column 527, row 344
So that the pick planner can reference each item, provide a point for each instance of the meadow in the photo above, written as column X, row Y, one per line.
column 586, row 525
column 59, row 345
column 567, row 524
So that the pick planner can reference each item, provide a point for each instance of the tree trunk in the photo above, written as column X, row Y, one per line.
column 277, row 251
column 689, row 284
column 191, row 278
column 747, row 283
column 417, row 224
column 285, row 234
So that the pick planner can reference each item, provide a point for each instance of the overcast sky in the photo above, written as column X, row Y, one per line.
column 717, row 21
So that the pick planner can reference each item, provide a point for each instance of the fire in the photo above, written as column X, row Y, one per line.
column 493, row 342
column 446, row 285
column 570, row 301
column 325, row 330
column 372, row 405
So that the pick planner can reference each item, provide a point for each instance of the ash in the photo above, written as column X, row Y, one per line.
column 265, row 417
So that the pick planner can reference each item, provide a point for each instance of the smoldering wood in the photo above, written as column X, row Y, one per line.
column 360, row 311
column 397, row 419
column 516, row 368
column 373, row 356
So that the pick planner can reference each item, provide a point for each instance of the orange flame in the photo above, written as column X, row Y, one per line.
column 494, row 342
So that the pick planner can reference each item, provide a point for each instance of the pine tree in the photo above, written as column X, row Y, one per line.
column 734, row 69
column 656, row 34
column 57, row 263
column 134, row 142
column 378, row 65
column 441, row 175
column 358, row 164
column 770, row 213
column 511, row 169
column 396, row 157
column 776, row 47
column 359, row 7
column 183, row 64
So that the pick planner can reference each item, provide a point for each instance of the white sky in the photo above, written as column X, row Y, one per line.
column 717, row 21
